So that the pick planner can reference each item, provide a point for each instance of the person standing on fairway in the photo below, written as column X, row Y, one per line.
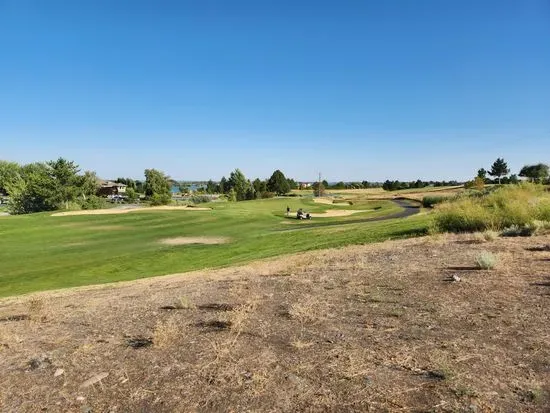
column 287, row 211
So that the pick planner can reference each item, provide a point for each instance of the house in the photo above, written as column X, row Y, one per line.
column 110, row 188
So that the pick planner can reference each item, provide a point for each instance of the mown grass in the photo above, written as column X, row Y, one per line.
column 41, row 252
column 511, row 205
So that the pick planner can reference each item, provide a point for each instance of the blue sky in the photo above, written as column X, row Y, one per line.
column 355, row 89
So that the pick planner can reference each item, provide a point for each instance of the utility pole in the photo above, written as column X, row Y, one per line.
column 319, row 187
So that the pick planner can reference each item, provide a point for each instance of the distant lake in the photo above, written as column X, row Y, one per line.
column 192, row 187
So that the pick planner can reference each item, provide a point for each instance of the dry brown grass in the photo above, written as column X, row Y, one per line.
column 168, row 333
column 365, row 328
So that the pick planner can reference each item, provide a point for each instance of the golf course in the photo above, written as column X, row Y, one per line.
column 44, row 251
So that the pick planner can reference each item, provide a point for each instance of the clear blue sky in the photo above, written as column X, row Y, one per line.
column 355, row 89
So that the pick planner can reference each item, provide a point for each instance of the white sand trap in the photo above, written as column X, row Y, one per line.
column 194, row 240
column 112, row 211
column 327, row 201
column 331, row 213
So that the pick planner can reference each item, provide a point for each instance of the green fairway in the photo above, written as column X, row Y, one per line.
column 41, row 252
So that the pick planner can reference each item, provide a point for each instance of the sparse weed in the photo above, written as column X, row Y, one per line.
column 541, row 227
column 167, row 333
column 185, row 303
column 306, row 311
column 38, row 310
column 486, row 260
column 485, row 236
column 490, row 235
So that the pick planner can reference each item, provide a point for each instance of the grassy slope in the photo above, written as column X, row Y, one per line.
column 40, row 252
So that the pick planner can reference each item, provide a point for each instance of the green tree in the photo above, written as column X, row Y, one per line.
column 238, row 182
column 89, row 184
column 140, row 187
column 499, row 169
column 34, row 192
column 65, row 178
column 10, row 175
column 292, row 183
column 278, row 183
column 482, row 173
column 131, row 194
column 157, row 187
column 250, row 192
column 211, row 187
column 224, row 185
column 260, row 187
column 318, row 189
column 535, row 173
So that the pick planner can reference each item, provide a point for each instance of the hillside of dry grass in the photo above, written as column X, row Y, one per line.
column 399, row 326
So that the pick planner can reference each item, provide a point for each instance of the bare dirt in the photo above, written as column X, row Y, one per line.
column 110, row 211
column 194, row 240
column 402, row 326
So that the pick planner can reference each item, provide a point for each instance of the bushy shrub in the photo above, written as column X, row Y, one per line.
column 200, row 199
column 160, row 199
column 490, row 235
column 541, row 227
column 486, row 260
column 506, row 207
column 536, row 227
column 518, row 231
column 93, row 202
column 430, row 200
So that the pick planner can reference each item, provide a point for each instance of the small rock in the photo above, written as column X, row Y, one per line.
column 456, row 278
column 58, row 372
column 80, row 398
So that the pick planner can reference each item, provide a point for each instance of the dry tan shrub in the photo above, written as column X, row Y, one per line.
column 167, row 333
column 185, row 303
column 306, row 311
column 39, row 310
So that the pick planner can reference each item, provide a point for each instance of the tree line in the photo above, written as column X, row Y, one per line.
column 59, row 184
column 501, row 172
column 239, row 188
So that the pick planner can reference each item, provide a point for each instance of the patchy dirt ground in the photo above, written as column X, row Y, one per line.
column 381, row 328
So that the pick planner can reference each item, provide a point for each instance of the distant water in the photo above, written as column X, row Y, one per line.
column 192, row 187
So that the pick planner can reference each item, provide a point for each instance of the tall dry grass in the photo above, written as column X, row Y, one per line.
column 511, row 205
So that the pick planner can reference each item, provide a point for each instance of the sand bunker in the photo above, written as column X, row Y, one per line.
column 323, row 201
column 194, row 240
column 331, row 213
column 111, row 211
